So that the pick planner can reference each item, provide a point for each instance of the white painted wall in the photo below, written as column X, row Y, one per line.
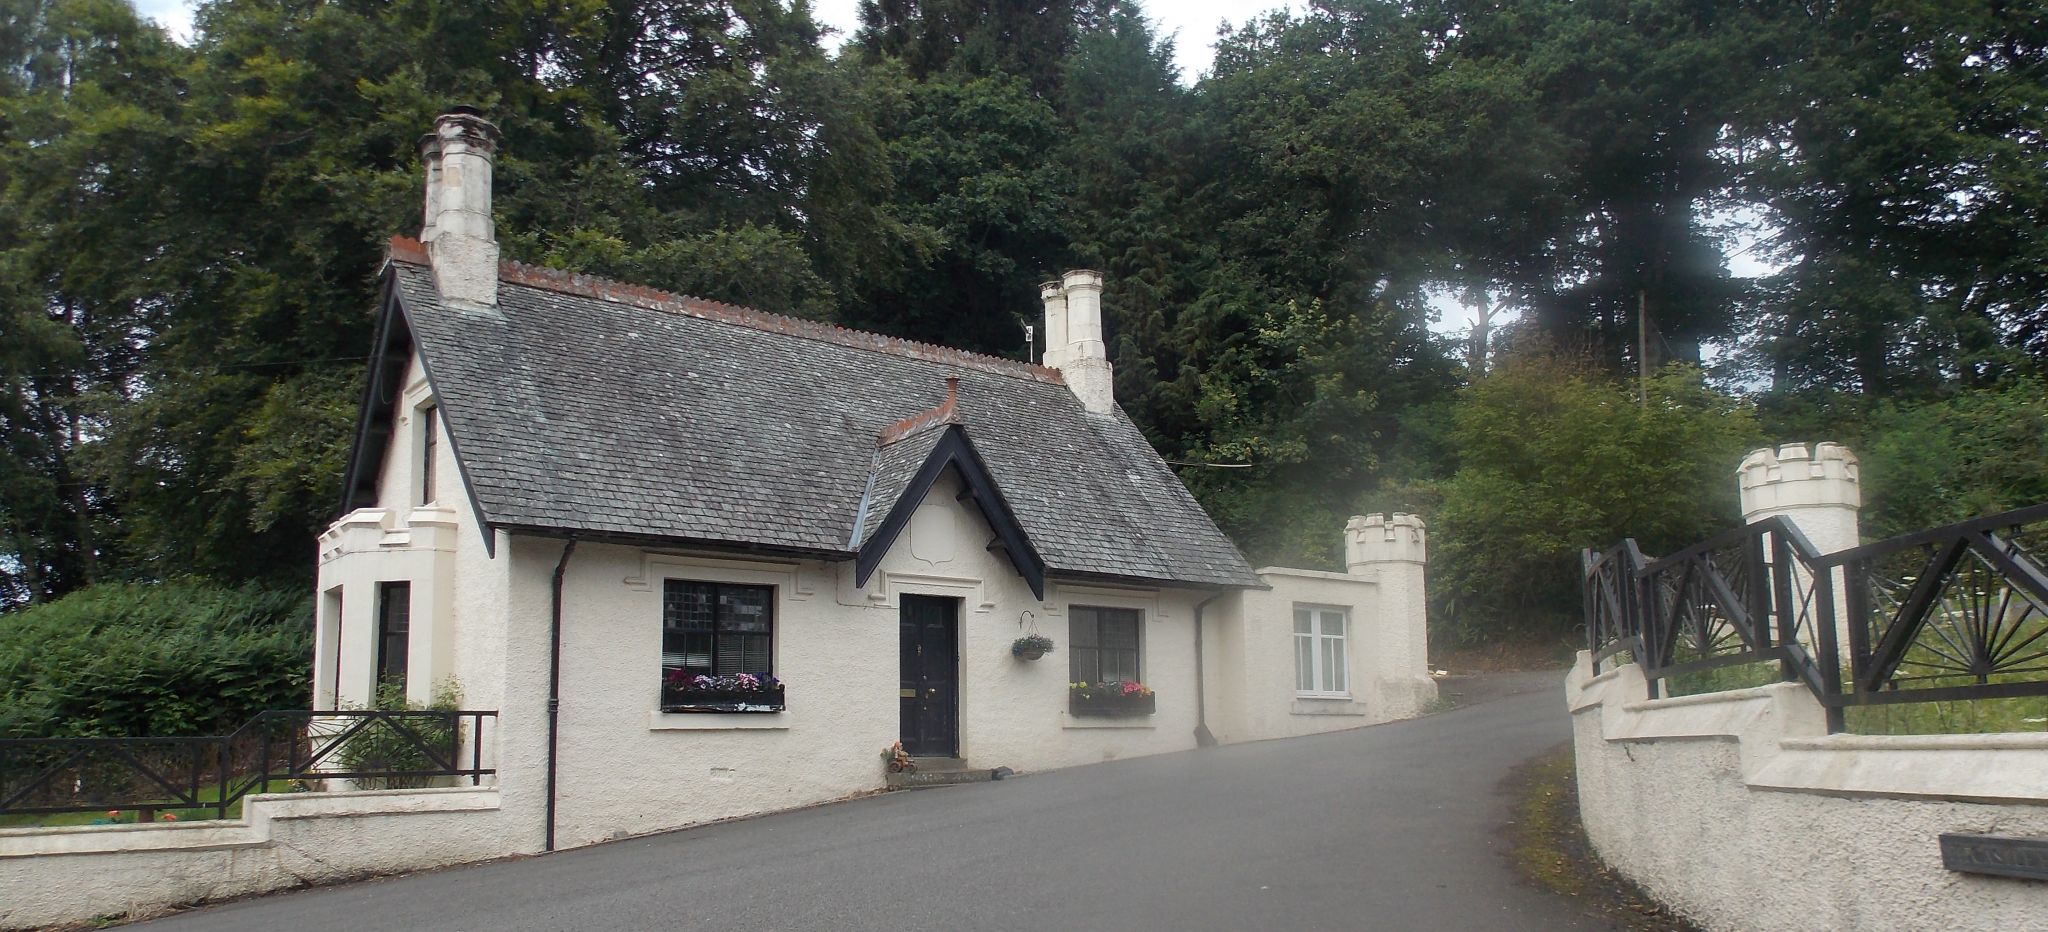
column 398, row 539
column 78, row 874
column 1392, row 550
column 627, row 768
column 1737, row 810
column 1255, row 695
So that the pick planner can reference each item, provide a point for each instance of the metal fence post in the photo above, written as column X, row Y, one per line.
column 1784, row 589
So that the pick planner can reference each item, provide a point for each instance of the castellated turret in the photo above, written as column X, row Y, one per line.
column 1791, row 476
column 1370, row 540
column 1819, row 489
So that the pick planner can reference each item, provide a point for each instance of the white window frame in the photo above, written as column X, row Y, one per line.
column 1316, row 636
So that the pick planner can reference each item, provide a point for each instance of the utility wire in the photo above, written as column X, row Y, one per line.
column 215, row 368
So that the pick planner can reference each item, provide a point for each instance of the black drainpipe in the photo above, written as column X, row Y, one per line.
column 555, row 684
column 1203, row 736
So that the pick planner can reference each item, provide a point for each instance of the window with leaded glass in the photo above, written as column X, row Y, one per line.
column 1321, row 659
column 716, row 629
column 394, row 631
column 1102, row 644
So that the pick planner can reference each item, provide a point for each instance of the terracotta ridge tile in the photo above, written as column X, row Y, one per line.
column 948, row 412
column 408, row 250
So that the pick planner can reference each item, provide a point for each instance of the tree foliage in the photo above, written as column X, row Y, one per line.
column 1554, row 457
column 189, row 235
column 1978, row 452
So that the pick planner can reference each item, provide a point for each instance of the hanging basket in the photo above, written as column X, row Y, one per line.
column 1031, row 647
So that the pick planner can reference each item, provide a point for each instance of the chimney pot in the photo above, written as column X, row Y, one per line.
column 1054, row 294
column 430, row 159
column 1083, row 360
column 1084, row 314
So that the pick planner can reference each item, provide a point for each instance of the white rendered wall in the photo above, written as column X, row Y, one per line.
column 1737, row 810
column 1392, row 550
column 1250, row 652
column 76, row 874
column 397, row 539
column 627, row 768
column 461, row 596
column 1013, row 713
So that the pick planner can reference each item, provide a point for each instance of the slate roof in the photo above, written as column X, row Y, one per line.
column 581, row 405
column 894, row 466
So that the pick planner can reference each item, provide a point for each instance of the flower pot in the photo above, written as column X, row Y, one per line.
column 1029, row 653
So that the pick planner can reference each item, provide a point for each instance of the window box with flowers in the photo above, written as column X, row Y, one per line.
column 1114, row 699
column 737, row 692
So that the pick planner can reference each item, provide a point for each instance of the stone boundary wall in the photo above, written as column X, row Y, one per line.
column 1738, row 810
column 80, row 874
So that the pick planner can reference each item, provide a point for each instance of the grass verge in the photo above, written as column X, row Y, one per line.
column 1550, row 849
column 129, row 816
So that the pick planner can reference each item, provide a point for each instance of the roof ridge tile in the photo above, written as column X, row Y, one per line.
column 947, row 412
column 406, row 249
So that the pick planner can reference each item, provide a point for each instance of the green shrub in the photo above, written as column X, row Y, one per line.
column 166, row 659
column 383, row 747
column 1553, row 456
column 1979, row 452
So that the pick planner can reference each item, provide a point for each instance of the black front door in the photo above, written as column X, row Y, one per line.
column 931, row 663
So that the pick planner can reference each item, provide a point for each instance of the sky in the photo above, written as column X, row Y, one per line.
column 1192, row 22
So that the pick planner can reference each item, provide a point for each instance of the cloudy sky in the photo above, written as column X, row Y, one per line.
column 1194, row 22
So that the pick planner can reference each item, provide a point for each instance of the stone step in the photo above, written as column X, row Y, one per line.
column 951, row 772
column 937, row 764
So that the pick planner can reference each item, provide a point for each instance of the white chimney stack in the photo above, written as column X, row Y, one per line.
column 1081, row 357
column 460, row 237
column 1055, row 297
column 1084, row 314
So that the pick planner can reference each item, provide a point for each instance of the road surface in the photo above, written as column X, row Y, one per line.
column 1398, row 826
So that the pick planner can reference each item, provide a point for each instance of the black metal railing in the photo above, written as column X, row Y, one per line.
column 1742, row 597
column 1953, row 613
column 1957, row 612
column 275, row 750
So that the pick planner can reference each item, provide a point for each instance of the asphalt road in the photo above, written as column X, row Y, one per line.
column 1392, row 827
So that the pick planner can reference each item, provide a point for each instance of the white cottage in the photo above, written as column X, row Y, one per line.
column 595, row 506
